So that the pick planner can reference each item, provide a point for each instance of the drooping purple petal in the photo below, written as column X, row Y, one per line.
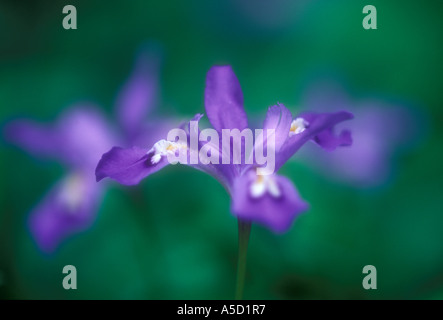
column 69, row 207
column 128, row 166
column 138, row 95
column 326, row 138
column 319, row 129
column 364, row 164
column 224, row 173
column 329, row 141
column 224, row 99
column 277, row 206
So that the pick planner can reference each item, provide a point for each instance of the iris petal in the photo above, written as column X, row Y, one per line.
column 69, row 207
column 128, row 166
column 224, row 99
column 276, row 211
column 320, row 129
column 138, row 95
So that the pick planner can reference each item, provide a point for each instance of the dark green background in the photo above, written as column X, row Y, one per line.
column 174, row 237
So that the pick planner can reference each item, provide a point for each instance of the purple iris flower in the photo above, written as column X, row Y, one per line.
column 379, row 130
column 77, row 140
column 270, row 200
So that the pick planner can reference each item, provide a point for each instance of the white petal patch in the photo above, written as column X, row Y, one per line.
column 72, row 192
column 156, row 158
column 262, row 185
column 273, row 188
column 298, row 126
column 258, row 189
column 163, row 148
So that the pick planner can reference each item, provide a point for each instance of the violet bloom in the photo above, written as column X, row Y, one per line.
column 77, row 140
column 270, row 200
column 379, row 129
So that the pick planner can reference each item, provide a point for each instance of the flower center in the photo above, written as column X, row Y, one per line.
column 262, row 184
column 164, row 148
column 298, row 126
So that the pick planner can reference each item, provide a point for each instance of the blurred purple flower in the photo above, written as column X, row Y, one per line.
column 270, row 200
column 378, row 130
column 77, row 140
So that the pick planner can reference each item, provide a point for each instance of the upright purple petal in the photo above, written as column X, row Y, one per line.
column 224, row 173
column 224, row 99
column 69, row 207
column 138, row 95
column 319, row 128
column 275, row 204
column 278, row 118
column 276, row 128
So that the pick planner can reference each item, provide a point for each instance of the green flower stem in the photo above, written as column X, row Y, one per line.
column 244, row 229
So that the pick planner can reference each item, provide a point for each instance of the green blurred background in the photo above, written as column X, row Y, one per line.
column 174, row 237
